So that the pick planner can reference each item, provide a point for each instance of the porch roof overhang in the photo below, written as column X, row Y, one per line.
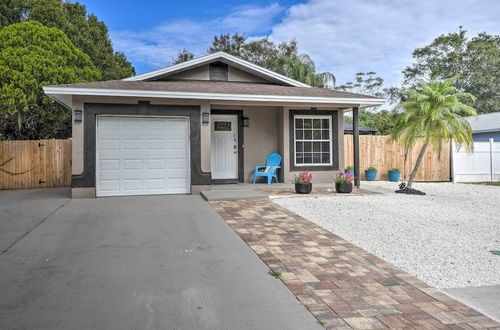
column 214, row 91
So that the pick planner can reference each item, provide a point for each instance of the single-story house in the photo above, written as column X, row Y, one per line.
column 362, row 130
column 485, row 127
column 208, row 120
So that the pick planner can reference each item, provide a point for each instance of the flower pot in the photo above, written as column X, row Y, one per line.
column 371, row 175
column 343, row 188
column 350, row 171
column 394, row 176
column 303, row 188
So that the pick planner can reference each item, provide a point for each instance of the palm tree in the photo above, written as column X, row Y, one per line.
column 302, row 68
column 434, row 113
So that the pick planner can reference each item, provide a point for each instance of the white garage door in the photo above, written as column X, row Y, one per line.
column 142, row 156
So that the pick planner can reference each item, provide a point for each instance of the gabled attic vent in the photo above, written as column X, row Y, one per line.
column 218, row 71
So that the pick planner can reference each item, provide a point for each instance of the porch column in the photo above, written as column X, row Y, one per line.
column 355, row 140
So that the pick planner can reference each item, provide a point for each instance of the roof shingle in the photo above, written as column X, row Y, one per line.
column 218, row 87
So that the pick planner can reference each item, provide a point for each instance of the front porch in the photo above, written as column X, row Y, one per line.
column 241, row 136
column 248, row 191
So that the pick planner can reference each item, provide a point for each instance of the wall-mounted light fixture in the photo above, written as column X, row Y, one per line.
column 246, row 122
column 205, row 118
column 77, row 115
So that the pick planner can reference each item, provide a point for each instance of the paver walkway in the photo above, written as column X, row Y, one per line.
column 340, row 283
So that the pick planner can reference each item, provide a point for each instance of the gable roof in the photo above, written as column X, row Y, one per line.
column 218, row 57
column 489, row 122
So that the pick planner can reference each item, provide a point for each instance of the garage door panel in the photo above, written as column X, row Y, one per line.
column 156, row 144
column 133, row 144
column 109, row 144
column 133, row 164
column 157, row 183
column 156, row 163
column 181, row 164
column 110, row 185
column 132, row 185
column 109, row 164
column 139, row 156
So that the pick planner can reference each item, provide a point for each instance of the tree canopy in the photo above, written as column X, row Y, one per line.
column 283, row 57
column 32, row 56
column 369, row 83
column 476, row 60
column 85, row 30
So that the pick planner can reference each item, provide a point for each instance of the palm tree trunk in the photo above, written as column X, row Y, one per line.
column 417, row 165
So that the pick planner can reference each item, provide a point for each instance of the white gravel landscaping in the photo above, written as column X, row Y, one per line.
column 443, row 238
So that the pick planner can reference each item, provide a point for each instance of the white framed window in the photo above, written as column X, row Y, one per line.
column 312, row 140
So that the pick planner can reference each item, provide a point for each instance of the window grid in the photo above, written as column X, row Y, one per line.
column 313, row 140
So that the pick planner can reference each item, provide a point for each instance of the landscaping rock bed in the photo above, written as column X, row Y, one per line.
column 445, row 237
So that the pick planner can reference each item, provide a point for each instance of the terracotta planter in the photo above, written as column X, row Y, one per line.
column 343, row 188
column 303, row 188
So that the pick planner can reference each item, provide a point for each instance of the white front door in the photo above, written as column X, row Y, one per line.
column 142, row 156
column 224, row 147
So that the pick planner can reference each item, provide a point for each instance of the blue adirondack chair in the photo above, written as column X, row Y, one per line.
column 270, row 171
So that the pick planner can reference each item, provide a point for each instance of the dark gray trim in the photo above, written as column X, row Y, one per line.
column 335, row 135
column 92, row 110
column 239, row 114
column 225, row 181
column 355, row 139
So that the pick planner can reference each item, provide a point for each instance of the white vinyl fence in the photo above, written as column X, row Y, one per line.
column 483, row 164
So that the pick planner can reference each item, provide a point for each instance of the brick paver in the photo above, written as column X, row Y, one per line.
column 341, row 284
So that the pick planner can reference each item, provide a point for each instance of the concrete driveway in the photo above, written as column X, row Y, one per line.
column 154, row 262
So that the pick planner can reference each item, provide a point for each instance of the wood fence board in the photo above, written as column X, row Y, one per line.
column 48, row 162
column 376, row 151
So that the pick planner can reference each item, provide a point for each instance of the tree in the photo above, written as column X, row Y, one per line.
column 32, row 56
column 83, row 29
column 476, row 59
column 433, row 112
column 369, row 83
column 183, row 56
column 283, row 58
column 365, row 83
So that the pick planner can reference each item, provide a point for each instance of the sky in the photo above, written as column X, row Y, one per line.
column 341, row 36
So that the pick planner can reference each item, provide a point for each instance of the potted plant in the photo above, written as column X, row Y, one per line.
column 394, row 174
column 350, row 170
column 303, row 182
column 343, row 182
column 371, row 174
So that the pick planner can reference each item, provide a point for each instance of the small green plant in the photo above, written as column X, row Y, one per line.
column 371, row 168
column 394, row 170
column 274, row 274
column 349, row 167
column 495, row 252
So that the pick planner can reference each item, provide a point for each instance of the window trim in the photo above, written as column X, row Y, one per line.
column 334, row 136
column 330, row 140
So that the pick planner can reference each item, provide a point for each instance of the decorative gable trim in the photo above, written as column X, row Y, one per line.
column 225, row 58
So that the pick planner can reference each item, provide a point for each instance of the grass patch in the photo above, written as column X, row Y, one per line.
column 274, row 274
column 494, row 183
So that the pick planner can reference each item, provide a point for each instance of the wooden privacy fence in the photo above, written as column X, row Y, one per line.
column 35, row 164
column 375, row 151
column 47, row 163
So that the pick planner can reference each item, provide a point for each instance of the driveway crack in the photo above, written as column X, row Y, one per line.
column 33, row 228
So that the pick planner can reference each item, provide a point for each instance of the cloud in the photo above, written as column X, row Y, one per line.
column 345, row 37
column 158, row 46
